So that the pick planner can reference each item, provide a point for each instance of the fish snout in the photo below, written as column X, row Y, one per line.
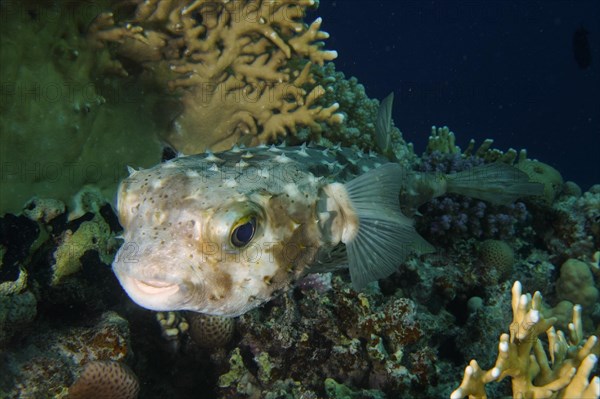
column 152, row 287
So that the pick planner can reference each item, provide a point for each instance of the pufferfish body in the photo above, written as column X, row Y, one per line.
column 223, row 233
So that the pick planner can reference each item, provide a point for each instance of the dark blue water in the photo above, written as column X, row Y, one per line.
column 487, row 69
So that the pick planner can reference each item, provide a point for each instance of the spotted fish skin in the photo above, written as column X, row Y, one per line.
column 178, row 218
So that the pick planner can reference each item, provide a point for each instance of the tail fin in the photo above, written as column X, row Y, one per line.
column 498, row 183
column 385, row 237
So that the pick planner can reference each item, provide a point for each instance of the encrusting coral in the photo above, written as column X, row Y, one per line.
column 242, row 69
column 522, row 357
column 497, row 255
column 105, row 380
column 210, row 331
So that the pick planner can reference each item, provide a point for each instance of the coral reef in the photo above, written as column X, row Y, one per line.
column 320, row 282
column 93, row 235
column 46, row 362
column 43, row 209
column 444, row 141
column 522, row 357
column 65, row 122
column 363, row 341
column 105, row 380
column 576, row 283
column 210, row 331
column 409, row 335
column 542, row 173
column 203, row 74
column 571, row 225
column 18, row 304
column 497, row 255
column 451, row 217
column 358, row 129
column 241, row 69
column 17, row 310
column 335, row 390
column 174, row 327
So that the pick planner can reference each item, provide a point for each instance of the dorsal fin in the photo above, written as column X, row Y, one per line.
column 383, row 124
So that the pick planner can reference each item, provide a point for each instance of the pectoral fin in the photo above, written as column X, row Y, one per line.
column 384, row 237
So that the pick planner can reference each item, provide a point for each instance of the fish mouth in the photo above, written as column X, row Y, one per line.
column 155, row 295
column 154, row 287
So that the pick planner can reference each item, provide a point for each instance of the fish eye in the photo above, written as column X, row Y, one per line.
column 243, row 232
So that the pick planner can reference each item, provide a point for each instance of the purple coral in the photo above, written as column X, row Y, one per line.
column 453, row 216
column 447, row 163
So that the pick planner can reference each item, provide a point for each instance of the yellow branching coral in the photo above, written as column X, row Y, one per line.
column 242, row 67
column 522, row 357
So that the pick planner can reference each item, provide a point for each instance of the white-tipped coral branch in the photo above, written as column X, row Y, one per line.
column 522, row 357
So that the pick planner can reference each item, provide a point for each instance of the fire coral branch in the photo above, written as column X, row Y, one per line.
column 240, row 69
